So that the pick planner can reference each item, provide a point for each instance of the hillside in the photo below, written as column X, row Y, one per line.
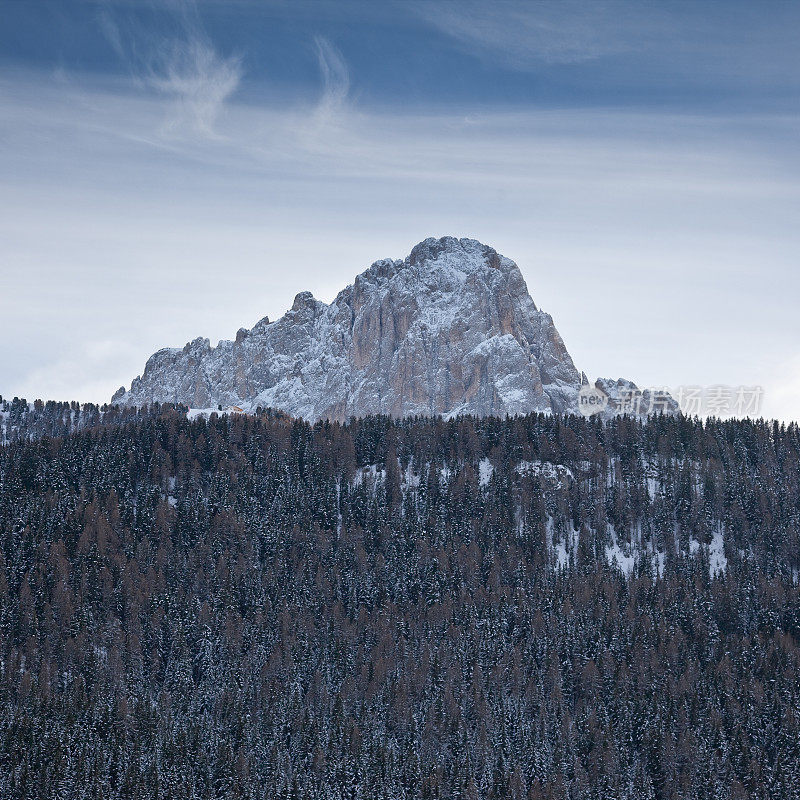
column 539, row 607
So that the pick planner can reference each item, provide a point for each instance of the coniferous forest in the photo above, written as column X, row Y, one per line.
column 536, row 607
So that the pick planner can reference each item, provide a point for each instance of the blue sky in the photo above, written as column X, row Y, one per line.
column 176, row 169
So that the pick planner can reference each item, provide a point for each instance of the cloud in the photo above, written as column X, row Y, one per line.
column 335, row 79
column 186, row 68
column 326, row 130
column 198, row 78
column 524, row 35
column 738, row 48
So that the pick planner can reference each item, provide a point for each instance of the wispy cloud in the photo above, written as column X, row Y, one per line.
column 335, row 79
column 198, row 78
column 186, row 68
column 325, row 128
column 523, row 35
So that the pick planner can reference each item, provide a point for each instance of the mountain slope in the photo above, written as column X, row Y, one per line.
column 534, row 609
column 451, row 329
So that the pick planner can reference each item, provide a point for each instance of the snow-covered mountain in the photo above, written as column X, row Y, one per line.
column 449, row 330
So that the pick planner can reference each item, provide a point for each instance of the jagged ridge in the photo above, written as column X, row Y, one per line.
column 451, row 329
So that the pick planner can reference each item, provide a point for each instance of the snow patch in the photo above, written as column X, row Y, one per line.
column 485, row 471
column 557, row 473
column 197, row 413
column 615, row 555
column 717, row 562
column 410, row 478
column 370, row 475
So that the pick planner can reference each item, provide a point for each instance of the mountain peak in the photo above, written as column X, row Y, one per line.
column 305, row 300
column 464, row 255
column 431, row 249
column 451, row 329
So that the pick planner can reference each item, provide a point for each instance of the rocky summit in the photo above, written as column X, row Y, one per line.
column 449, row 330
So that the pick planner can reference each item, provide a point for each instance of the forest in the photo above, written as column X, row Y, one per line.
column 538, row 607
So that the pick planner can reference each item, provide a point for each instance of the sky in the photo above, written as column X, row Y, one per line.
column 171, row 170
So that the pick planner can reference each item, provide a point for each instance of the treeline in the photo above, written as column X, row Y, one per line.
column 253, row 607
column 24, row 421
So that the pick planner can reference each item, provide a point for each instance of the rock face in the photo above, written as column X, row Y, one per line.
column 625, row 397
column 449, row 330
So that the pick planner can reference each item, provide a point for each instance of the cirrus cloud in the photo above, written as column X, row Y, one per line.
column 185, row 67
